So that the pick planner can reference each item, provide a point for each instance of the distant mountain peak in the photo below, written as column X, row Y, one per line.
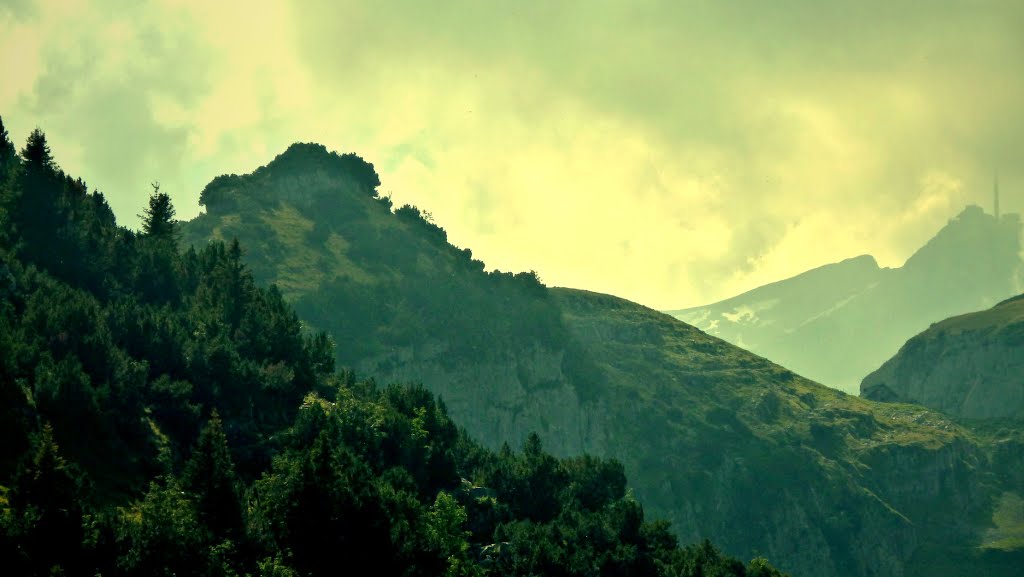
column 837, row 322
column 965, row 238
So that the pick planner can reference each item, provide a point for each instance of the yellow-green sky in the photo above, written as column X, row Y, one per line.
column 672, row 153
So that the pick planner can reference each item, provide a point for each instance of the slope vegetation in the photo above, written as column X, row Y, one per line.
column 720, row 441
column 163, row 414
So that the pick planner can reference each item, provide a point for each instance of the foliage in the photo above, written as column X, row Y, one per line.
column 376, row 280
column 164, row 414
column 158, row 218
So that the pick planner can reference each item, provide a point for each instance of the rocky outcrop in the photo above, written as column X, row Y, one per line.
column 504, row 399
column 970, row 366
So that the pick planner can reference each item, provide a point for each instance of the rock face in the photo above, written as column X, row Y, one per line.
column 504, row 399
column 837, row 323
column 970, row 366
column 719, row 441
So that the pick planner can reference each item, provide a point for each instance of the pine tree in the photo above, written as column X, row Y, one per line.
column 8, row 156
column 46, row 509
column 210, row 477
column 158, row 277
column 37, row 152
column 33, row 205
column 158, row 218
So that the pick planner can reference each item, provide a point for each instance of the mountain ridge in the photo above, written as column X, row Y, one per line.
column 700, row 425
column 838, row 322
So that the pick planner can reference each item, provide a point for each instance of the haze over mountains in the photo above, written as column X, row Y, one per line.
column 722, row 442
column 837, row 323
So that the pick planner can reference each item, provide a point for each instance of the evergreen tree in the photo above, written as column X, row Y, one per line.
column 158, row 276
column 37, row 152
column 210, row 477
column 8, row 156
column 33, row 205
column 46, row 512
column 158, row 218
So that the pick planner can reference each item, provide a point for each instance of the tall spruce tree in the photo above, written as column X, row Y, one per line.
column 33, row 204
column 210, row 477
column 158, row 218
column 36, row 153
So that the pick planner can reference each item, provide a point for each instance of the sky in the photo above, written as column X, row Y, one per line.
column 673, row 153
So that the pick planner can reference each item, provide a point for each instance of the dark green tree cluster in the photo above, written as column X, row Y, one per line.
column 163, row 414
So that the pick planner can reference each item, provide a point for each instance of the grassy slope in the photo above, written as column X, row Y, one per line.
column 1000, row 317
column 709, row 405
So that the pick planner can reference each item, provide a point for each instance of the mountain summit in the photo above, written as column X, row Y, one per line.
column 836, row 323
column 721, row 442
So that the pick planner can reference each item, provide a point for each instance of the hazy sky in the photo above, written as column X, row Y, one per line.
column 672, row 153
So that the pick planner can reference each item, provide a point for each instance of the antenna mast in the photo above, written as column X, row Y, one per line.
column 995, row 194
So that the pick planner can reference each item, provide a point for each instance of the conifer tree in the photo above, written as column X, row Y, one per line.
column 210, row 477
column 158, row 218
column 8, row 156
column 46, row 509
column 33, row 204
column 36, row 153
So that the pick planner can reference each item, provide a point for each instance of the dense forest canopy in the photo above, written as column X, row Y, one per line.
column 163, row 413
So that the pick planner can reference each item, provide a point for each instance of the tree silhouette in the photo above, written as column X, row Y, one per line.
column 37, row 152
column 158, row 218
column 8, row 155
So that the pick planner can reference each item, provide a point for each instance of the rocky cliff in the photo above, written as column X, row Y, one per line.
column 970, row 366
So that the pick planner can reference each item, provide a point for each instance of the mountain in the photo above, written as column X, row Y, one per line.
column 722, row 442
column 969, row 366
column 836, row 323
column 162, row 414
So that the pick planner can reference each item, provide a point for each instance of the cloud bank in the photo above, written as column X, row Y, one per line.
column 673, row 153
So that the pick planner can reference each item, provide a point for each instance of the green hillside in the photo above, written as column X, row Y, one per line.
column 721, row 442
column 165, row 414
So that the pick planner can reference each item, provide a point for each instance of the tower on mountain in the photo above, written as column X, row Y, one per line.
column 995, row 194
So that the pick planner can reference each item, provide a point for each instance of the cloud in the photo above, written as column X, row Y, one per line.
column 673, row 152
column 97, row 87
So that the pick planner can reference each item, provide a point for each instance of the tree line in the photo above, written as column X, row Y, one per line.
column 164, row 414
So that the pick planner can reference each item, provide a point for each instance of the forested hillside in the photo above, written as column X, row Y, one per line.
column 721, row 442
column 165, row 414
